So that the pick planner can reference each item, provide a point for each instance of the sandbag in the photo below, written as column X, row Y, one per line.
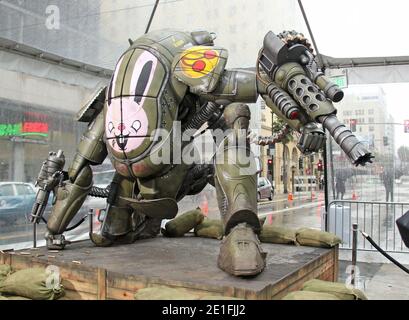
column 335, row 288
column 3, row 298
column 5, row 271
column 183, row 224
column 15, row 298
column 30, row 283
column 316, row 238
column 210, row 229
column 274, row 234
column 164, row 293
column 309, row 295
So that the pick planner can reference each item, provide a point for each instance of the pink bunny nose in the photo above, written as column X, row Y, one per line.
column 121, row 127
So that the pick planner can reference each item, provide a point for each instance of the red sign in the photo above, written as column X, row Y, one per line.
column 35, row 127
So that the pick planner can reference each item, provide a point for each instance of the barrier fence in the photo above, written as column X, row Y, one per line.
column 378, row 219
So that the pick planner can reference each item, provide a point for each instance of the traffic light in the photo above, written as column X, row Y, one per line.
column 406, row 126
column 385, row 141
column 300, row 164
column 320, row 166
column 352, row 124
column 270, row 165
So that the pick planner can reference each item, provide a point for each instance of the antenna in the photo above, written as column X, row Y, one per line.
column 151, row 17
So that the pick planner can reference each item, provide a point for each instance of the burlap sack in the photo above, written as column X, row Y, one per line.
column 183, row 224
column 335, row 288
column 274, row 234
column 316, row 238
column 164, row 293
column 30, row 283
column 210, row 229
column 5, row 271
column 14, row 298
column 309, row 295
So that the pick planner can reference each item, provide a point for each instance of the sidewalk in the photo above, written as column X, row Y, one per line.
column 380, row 281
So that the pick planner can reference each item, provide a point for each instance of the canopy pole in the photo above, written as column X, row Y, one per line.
column 151, row 17
column 310, row 32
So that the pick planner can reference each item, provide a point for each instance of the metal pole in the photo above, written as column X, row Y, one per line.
column 325, row 185
column 35, row 235
column 310, row 32
column 151, row 17
column 91, row 221
column 354, row 251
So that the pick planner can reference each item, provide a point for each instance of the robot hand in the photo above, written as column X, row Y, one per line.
column 312, row 139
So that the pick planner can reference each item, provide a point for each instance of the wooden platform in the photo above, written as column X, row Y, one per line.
column 118, row 272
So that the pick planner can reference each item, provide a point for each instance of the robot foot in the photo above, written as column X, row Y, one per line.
column 241, row 253
column 56, row 241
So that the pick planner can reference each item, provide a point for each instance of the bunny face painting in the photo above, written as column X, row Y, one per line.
column 129, row 101
column 126, row 124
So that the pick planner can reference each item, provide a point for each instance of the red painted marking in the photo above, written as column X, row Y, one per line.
column 121, row 127
column 294, row 115
column 199, row 65
column 209, row 54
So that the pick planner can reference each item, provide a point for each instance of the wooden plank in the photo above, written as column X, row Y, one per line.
column 336, row 264
column 119, row 294
column 80, row 286
column 102, row 284
column 298, row 283
column 75, row 295
column 129, row 283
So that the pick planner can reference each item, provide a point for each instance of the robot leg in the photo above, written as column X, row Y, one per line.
column 236, row 186
column 235, row 172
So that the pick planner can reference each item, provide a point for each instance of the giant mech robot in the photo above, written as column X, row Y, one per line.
column 167, row 76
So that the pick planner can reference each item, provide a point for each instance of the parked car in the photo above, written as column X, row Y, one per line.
column 305, row 183
column 265, row 190
column 16, row 201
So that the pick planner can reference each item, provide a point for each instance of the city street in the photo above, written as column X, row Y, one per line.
column 302, row 211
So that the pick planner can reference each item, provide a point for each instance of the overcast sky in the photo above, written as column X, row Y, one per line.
column 369, row 27
column 366, row 28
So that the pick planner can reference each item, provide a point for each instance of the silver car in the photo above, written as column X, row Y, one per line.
column 264, row 189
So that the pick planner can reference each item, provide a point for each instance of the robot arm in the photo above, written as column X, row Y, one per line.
column 299, row 91
column 71, row 193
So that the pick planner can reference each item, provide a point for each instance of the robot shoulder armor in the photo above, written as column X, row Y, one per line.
column 93, row 107
column 200, row 67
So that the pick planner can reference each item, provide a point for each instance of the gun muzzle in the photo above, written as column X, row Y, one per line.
column 353, row 148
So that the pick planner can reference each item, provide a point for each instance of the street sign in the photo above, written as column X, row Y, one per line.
column 340, row 81
column 339, row 77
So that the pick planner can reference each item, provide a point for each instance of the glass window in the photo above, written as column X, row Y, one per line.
column 24, row 189
column 6, row 190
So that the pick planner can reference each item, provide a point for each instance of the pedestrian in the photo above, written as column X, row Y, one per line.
column 387, row 178
column 340, row 186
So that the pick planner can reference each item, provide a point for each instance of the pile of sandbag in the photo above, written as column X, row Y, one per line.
column 33, row 284
column 166, row 293
column 303, row 236
column 324, row 290
column 209, row 228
